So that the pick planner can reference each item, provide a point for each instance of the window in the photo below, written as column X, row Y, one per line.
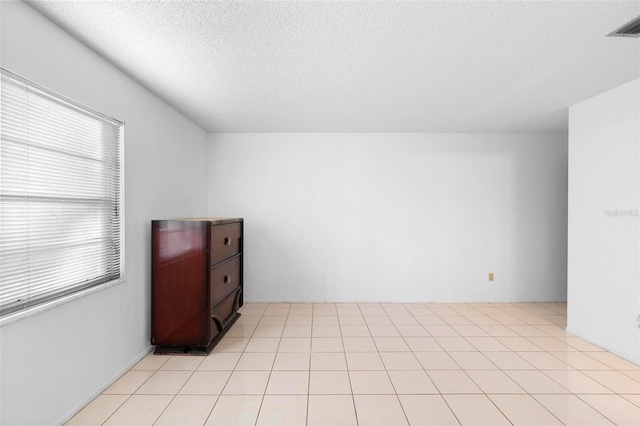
column 60, row 196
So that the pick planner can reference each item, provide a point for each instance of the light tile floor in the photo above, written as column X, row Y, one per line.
column 382, row 364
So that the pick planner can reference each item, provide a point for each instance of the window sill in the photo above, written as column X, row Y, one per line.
column 35, row 310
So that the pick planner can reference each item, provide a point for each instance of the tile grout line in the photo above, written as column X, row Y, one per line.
column 508, row 318
column 134, row 392
column 231, row 374
column 266, row 386
column 173, row 397
column 487, row 396
column 346, row 363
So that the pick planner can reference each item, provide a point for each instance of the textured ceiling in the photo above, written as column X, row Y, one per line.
column 360, row 66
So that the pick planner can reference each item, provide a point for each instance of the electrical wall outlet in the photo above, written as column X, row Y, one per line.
column 490, row 276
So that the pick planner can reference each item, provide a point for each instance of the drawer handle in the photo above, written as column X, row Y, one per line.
column 227, row 279
column 227, row 241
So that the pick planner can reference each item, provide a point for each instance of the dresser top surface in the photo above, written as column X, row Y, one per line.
column 213, row 220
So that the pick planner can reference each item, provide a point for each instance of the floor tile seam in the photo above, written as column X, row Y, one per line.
column 308, row 390
column 553, row 353
column 264, row 393
column 466, row 374
column 508, row 377
column 525, row 393
column 549, row 353
column 157, row 417
column 157, row 371
column 128, row 396
column 386, row 370
column 451, row 409
column 173, row 398
column 528, row 335
column 555, row 338
column 429, row 335
column 366, row 324
column 189, row 378
column 348, row 371
column 512, row 369
column 162, row 365
column 353, row 402
column 403, row 336
column 588, row 353
column 556, row 394
column 522, row 337
column 498, row 408
column 214, row 406
column 476, row 350
column 622, row 395
column 624, row 372
column 180, row 394
column 581, row 372
column 391, row 393
column 136, row 389
column 538, row 370
column 406, row 417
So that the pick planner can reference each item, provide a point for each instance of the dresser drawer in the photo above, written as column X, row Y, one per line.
column 225, row 241
column 224, row 279
column 221, row 313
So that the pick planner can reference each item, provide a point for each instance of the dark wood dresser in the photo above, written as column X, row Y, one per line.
column 196, row 282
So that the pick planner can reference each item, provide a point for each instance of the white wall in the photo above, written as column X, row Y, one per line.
column 53, row 361
column 603, row 251
column 396, row 217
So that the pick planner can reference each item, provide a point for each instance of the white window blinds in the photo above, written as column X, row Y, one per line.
column 60, row 196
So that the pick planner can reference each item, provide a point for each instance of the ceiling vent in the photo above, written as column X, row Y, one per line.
column 630, row 29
